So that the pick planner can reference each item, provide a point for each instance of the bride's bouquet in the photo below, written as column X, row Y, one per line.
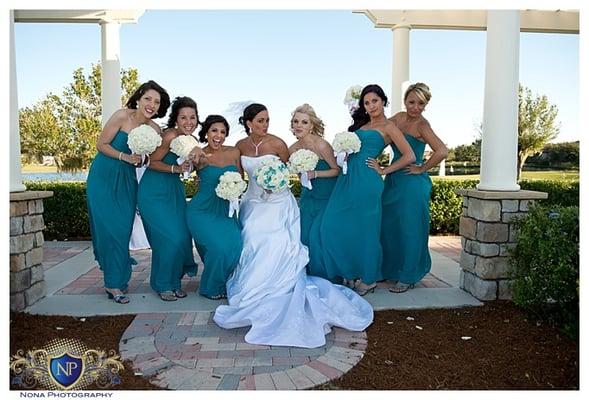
column 182, row 145
column 230, row 187
column 143, row 140
column 344, row 144
column 300, row 162
column 272, row 175
column 352, row 98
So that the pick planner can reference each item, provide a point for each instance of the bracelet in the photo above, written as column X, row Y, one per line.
column 120, row 155
column 172, row 169
column 315, row 174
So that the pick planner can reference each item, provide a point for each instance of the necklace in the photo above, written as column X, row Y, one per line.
column 256, row 146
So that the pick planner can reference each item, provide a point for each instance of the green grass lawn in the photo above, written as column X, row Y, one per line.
column 530, row 175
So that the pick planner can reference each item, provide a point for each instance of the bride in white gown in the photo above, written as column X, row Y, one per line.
column 269, row 288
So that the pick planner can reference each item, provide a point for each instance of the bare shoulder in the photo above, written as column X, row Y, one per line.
column 390, row 127
column 276, row 139
column 323, row 145
column 233, row 151
column 423, row 126
column 120, row 116
column 169, row 134
column 155, row 126
column 398, row 117
column 294, row 147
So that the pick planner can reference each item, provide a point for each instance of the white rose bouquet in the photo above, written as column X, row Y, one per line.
column 344, row 144
column 230, row 187
column 272, row 175
column 300, row 162
column 182, row 145
column 352, row 98
column 143, row 140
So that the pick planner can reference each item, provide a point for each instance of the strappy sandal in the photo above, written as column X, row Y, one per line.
column 400, row 287
column 349, row 283
column 117, row 298
column 179, row 293
column 217, row 297
column 168, row 295
column 364, row 292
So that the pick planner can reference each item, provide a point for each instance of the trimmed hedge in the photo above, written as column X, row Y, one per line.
column 66, row 214
column 546, row 266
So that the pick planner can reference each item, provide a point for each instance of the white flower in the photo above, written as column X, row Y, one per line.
column 346, row 142
column 272, row 175
column 231, row 186
column 182, row 145
column 302, row 160
column 143, row 140
column 353, row 97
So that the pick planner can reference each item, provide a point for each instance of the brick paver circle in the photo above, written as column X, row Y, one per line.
column 188, row 351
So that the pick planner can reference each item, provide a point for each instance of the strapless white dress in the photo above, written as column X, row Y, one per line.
column 270, row 290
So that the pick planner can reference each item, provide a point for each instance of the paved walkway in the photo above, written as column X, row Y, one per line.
column 178, row 346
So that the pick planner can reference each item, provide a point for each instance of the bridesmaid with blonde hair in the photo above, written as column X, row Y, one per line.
column 308, row 129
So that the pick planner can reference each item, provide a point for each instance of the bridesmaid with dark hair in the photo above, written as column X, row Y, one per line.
column 112, row 186
column 162, row 204
column 350, row 230
column 406, row 196
column 217, row 236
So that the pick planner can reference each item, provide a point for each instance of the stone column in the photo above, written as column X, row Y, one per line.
column 111, row 69
column 500, row 109
column 400, row 66
column 16, row 184
column 488, row 235
column 27, row 284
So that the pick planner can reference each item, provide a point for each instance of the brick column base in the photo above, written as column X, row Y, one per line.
column 488, row 235
column 27, row 281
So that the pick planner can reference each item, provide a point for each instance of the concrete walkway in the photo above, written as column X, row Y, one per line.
column 178, row 346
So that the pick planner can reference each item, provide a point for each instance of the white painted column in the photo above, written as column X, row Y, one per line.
column 16, row 184
column 500, row 112
column 442, row 170
column 400, row 66
column 111, row 69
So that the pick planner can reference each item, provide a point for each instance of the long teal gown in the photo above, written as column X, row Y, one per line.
column 162, row 204
column 111, row 189
column 405, row 221
column 312, row 205
column 217, row 237
column 350, row 230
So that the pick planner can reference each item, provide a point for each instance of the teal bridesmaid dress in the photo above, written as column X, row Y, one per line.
column 162, row 204
column 217, row 237
column 350, row 229
column 111, row 191
column 405, row 221
column 312, row 204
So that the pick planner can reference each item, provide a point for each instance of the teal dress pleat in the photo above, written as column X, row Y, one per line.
column 312, row 205
column 162, row 205
column 111, row 191
column 217, row 237
column 405, row 221
column 350, row 230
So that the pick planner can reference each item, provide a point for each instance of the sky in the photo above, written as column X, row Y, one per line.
column 284, row 58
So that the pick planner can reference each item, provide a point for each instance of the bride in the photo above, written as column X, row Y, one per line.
column 269, row 288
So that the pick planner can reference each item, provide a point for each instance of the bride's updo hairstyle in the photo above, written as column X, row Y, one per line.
column 360, row 116
column 212, row 119
column 249, row 113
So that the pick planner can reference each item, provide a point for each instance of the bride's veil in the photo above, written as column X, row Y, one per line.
column 232, row 113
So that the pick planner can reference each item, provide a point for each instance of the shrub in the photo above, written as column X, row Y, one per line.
column 561, row 193
column 446, row 206
column 65, row 213
column 545, row 265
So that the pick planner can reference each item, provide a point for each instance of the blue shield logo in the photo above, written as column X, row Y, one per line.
column 66, row 370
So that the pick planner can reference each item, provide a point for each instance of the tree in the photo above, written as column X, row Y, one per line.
column 536, row 125
column 468, row 152
column 67, row 126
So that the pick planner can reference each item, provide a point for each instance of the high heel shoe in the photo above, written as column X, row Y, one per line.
column 179, row 293
column 401, row 287
column 117, row 298
column 168, row 295
column 365, row 291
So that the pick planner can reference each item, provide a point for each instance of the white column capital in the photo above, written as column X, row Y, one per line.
column 401, row 26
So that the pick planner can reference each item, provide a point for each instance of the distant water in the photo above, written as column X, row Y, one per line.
column 56, row 176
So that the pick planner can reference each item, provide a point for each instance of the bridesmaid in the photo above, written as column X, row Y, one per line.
column 405, row 200
column 308, row 129
column 162, row 204
column 350, row 230
column 217, row 237
column 112, row 186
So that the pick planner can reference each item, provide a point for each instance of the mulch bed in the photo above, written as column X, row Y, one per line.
column 505, row 349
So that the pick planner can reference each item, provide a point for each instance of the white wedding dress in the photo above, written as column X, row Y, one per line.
column 270, row 289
